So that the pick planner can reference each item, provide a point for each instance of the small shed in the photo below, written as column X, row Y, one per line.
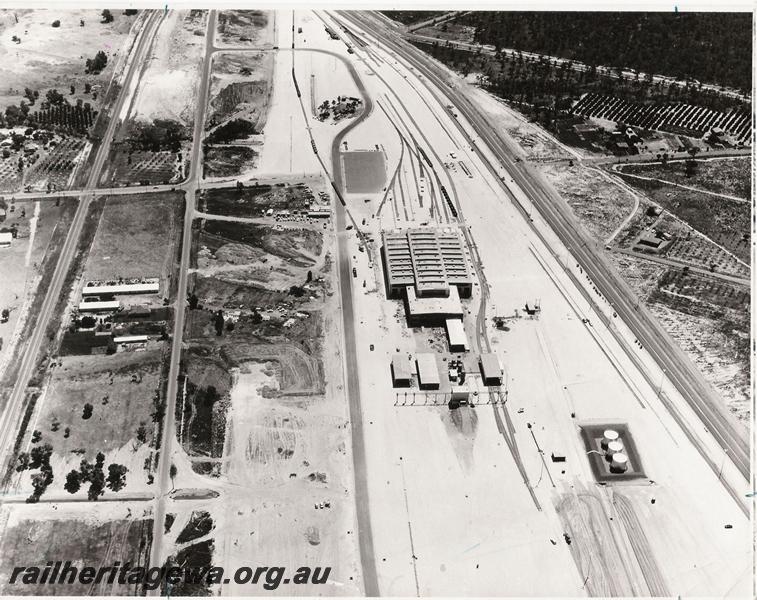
column 458, row 341
column 428, row 371
column 491, row 368
column 401, row 375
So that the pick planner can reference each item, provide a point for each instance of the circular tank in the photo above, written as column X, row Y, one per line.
column 613, row 448
column 610, row 435
column 619, row 463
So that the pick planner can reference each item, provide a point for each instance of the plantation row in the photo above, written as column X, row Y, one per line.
column 666, row 117
column 73, row 118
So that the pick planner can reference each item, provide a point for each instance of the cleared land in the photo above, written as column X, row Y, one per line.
column 92, row 539
column 26, row 268
column 246, row 27
column 255, row 201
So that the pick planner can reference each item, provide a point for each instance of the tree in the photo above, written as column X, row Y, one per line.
column 107, row 16
column 142, row 433
column 116, row 477
column 97, row 485
column 193, row 301
column 29, row 94
column 23, row 462
column 56, row 23
column 96, row 64
column 73, row 482
column 218, row 322
column 130, row 12
column 87, row 88
column 87, row 412
column 55, row 97
column 73, row 89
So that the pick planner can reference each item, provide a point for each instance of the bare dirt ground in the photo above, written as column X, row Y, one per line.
column 730, row 176
column 246, row 27
column 264, row 415
column 25, row 268
column 48, row 57
column 169, row 83
column 86, row 535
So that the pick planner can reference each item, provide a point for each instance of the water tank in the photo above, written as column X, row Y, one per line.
column 619, row 463
column 613, row 448
column 610, row 435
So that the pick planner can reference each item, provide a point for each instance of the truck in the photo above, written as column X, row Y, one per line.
column 354, row 272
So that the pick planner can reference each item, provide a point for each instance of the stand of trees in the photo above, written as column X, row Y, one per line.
column 709, row 47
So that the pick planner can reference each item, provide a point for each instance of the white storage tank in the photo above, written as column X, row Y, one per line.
column 613, row 448
column 619, row 463
column 610, row 435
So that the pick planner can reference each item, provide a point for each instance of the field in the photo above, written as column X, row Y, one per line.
column 48, row 58
column 246, row 27
column 724, row 221
column 123, row 391
column 227, row 161
column 55, row 169
column 255, row 201
column 148, row 168
column 91, row 539
column 723, row 176
column 600, row 208
column 136, row 237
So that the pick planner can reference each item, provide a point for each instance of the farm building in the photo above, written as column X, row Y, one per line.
column 428, row 258
column 491, row 369
column 458, row 341
column 6, row 237
column 117, row 288
column 428, row 371
column 97, row 306
column 401, row 375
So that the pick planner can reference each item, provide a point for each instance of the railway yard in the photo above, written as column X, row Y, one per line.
column 280, row 284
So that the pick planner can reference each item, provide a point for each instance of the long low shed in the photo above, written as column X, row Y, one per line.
column 116, row 289
column 428, row 371
column 111, row 305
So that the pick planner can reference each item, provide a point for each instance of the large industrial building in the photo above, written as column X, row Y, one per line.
column 430, row 260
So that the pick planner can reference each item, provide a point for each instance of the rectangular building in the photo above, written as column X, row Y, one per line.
column 428, row 258
column 131, row 339
column 109, row 305
column 491, row 369
column 458, row 341
column 401, row 376
column 432, row 310
column 428, row 371
column 117, row 288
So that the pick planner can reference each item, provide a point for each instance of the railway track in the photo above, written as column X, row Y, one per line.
column 677, row 367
